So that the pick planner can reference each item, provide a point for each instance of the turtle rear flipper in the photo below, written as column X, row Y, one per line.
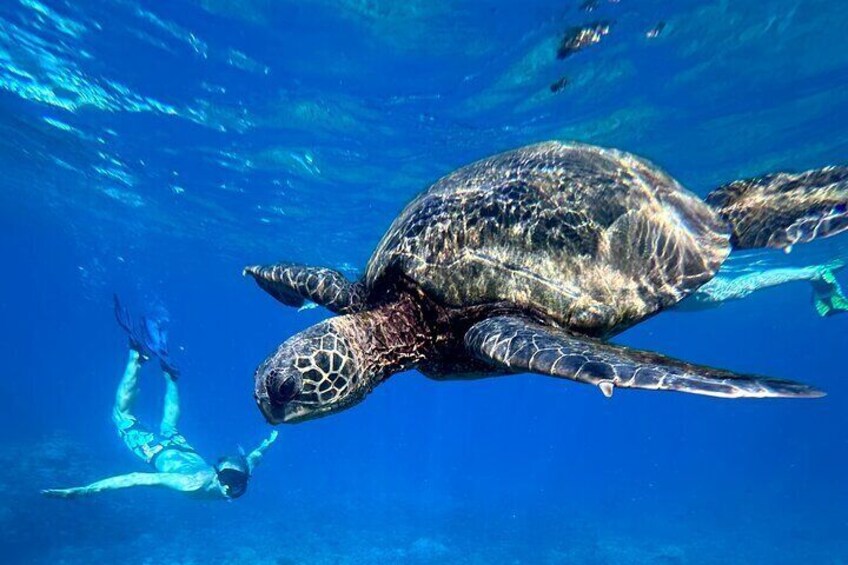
column 293, row 284
column 782, row 209
column 518, row 345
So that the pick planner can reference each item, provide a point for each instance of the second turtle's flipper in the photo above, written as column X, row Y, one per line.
column 782, row 209
column 519, row 345
column 293, row 284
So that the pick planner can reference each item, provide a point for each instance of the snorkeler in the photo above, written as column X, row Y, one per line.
column 828, row 298
column 178, row 466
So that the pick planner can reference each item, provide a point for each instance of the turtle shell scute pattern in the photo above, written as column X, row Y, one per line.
column 594, row 239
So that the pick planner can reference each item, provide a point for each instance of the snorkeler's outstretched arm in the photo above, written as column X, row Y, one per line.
column 256, row 455
column 292, row 284
column 174, row 481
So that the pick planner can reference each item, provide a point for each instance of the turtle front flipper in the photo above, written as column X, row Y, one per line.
column 782, row 209
column 519, row 345
column 292, row 284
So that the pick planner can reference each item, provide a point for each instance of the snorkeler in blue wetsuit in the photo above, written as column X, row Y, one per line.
column 177, row 465
column 828, row 298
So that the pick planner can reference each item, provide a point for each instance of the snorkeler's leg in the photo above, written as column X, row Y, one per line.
column 138, row 439
column 724, row 288
column 127, row 389
column 774, row 277
column 171, row 409
column 828, row 297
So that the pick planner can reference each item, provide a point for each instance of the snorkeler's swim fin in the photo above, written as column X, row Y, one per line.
column 125, row 320
column 828, row 297
column 147, row 337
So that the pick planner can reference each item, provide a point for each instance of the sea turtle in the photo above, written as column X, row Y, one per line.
column 529, row 261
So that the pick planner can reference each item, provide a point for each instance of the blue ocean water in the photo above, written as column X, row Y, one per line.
column 154, row 149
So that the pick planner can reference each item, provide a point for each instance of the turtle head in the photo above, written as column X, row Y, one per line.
column 312, row 374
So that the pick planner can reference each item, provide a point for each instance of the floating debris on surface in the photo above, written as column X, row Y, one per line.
column 579, row 37
column 559, row 84
column 655, row 31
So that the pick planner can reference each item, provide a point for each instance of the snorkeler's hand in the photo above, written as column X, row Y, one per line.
column 60, row 492
column 256, row 455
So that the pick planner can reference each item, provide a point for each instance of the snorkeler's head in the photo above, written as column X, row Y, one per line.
column 233, row 474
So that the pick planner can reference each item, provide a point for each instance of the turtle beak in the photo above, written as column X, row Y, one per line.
column 295, row 412
column 290, row 413
column 271, row 412
column 275, row 389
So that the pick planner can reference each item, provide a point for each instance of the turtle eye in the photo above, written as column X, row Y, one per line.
column 287, row 387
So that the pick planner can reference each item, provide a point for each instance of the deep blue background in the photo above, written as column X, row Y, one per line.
column 142, row 154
